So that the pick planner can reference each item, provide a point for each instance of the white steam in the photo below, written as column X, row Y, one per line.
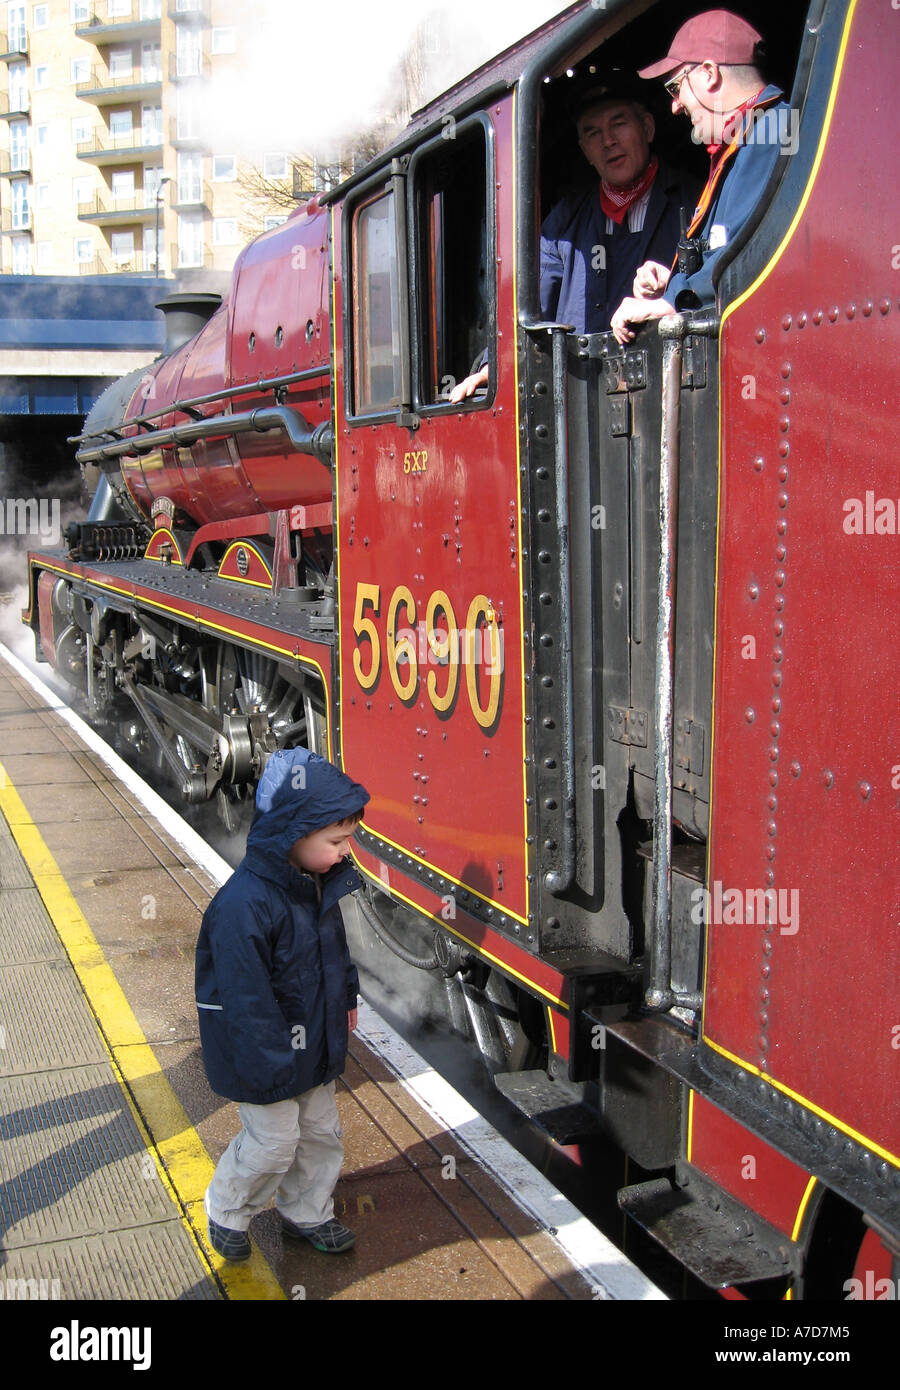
column 312, row 77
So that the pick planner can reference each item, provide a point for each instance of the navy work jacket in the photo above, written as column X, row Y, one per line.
column 585, row 272
column 736, row 195
column 274, row 979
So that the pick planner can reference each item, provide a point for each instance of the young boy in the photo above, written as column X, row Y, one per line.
column 276, row 995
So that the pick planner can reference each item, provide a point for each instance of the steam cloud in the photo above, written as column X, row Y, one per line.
column 311, row 78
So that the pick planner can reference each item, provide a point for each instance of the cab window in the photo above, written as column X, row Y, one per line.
column 454, row 260
column 376, row 307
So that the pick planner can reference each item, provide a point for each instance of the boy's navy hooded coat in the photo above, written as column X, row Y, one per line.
column 274, row 978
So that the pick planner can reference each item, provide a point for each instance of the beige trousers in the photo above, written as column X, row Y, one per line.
column 291, row 1151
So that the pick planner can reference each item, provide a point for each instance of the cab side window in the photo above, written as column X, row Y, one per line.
column 376, row 307
column 454, row 260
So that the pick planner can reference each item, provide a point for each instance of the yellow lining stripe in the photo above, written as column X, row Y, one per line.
column 802, row 1100
column 445, row 926
column 181, row 1160
column 238, row 579
column 801, row 1210
column 826, row 126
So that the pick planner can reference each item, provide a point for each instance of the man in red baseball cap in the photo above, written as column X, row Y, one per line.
column 712, row 75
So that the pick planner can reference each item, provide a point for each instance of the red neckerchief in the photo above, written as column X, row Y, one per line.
column 615, row 202
column 722, row 154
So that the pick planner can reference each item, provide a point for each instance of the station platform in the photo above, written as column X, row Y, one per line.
column 109, row 1132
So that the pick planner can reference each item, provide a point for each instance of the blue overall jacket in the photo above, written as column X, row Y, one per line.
column 274, row 979
column 586, row 271
column 738, row 187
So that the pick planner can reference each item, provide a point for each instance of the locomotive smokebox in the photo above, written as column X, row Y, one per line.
column 185, row 315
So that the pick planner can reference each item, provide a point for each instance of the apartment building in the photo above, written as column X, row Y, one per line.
column 105, row 164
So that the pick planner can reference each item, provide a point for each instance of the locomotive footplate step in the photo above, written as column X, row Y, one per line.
column 716, row 1237
column 552, row 1107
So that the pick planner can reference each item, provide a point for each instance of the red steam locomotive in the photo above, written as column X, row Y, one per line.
column 648, row 847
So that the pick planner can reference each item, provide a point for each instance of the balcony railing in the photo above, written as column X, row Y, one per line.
column 14, row 103
column 102, row 80
column 137, row 208
column 190, row 194
column 180, row 135
column 13, row 45
column 134, row 264
column 18, row 162
column 187, row 11
column 15, row 220
column 183, row 67
column 202, row 259
column 104, row 142
column 106, row 28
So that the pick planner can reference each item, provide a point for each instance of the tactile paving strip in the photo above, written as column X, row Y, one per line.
column 93, row 1175
column 26, row 932
column 84, row 1209
column 45, row 1019
column 145, row 1264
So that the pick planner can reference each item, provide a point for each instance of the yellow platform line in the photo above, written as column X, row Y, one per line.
column 181, row 1159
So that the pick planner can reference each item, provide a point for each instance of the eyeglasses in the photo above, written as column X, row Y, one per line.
column 673, row 86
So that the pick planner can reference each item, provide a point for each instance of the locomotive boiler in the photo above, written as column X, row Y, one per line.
column 597, row 639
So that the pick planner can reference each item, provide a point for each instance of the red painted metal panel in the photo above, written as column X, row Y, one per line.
column 807, row 741
column 447, row 785
column 747, row 1167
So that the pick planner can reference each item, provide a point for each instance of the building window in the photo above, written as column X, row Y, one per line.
column 44, row 255
column 223, row 41
column 21, row 256
column 121, row 63
column 151, row 125
column 42, row 77
column 16, row 37
column 190, row 178
column 274, row 219
column 120, row 125
column 121, row 183
column 224, row 168
column 186, row 123
column 83, row 190
column 122, row 244
column 152, row 182
column 190, row 240
column 118, row 9
column 41, row 17
column 21, row 213
column 81, row 14
column 42, row 195
column 225, row 231
column 81, row 70
column 188, row 53
column 42, row 135
column 18, row 146
column 151, row 62
column 151, row 9
column 18, row 87
column 275, row 166
column 84, row 249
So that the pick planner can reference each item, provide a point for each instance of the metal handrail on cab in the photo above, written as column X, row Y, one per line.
column 673, row 329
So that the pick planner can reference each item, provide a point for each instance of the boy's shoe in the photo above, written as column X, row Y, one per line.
column 331, row 1236
column 231, row 1245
